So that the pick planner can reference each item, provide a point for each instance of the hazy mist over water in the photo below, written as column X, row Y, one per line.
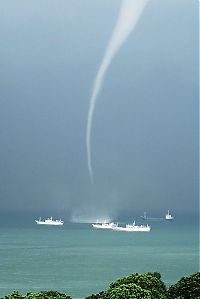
column 145, row 126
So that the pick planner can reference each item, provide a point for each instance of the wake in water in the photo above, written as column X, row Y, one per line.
column 130, row 12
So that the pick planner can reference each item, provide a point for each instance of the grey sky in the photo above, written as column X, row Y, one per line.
column 145, row 131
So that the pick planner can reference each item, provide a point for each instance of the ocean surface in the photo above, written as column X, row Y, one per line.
column 79, row 260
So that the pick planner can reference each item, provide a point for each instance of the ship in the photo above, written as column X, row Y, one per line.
column 49, row 221
column 145, row 217
column 110, row 225
column 134, row 228
column 168, row 216
column 128, row 228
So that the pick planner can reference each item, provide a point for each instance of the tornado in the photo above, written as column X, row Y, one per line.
column 130, row 12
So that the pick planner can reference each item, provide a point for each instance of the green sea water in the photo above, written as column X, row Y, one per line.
column 79, row 260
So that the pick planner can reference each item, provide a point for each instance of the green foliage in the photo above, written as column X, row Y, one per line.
column 148, row 281
column 134, row 286
column 131, row 291
column 186, row 288
column 14, row 295
column 40, row 295
column 147, row 286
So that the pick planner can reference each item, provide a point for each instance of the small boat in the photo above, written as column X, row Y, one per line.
column 110, row 225
column 49, row 221
column 134, row 228
column 168, row 216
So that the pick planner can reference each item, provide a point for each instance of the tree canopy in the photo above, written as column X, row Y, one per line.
column 186, row 288
column 135, row 286
column 147, row 286
column 40, row 295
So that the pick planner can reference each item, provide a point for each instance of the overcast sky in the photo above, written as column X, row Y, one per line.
column 145, row 130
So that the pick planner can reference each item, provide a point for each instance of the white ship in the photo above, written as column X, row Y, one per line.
column 134, row 228
column 168, row 216
column 50, row 221
column 110, row 225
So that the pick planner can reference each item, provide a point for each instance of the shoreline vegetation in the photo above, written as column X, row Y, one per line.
column 135, row 286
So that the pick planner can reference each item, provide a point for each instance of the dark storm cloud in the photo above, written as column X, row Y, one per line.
column 145, row 134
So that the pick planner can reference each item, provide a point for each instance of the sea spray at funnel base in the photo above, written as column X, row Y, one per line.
column 130, row 12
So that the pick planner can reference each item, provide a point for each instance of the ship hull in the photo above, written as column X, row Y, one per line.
column 104, row 226
column 52, row 224
column 134, row 229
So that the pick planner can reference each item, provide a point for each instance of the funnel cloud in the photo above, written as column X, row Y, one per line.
column 130, row 12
